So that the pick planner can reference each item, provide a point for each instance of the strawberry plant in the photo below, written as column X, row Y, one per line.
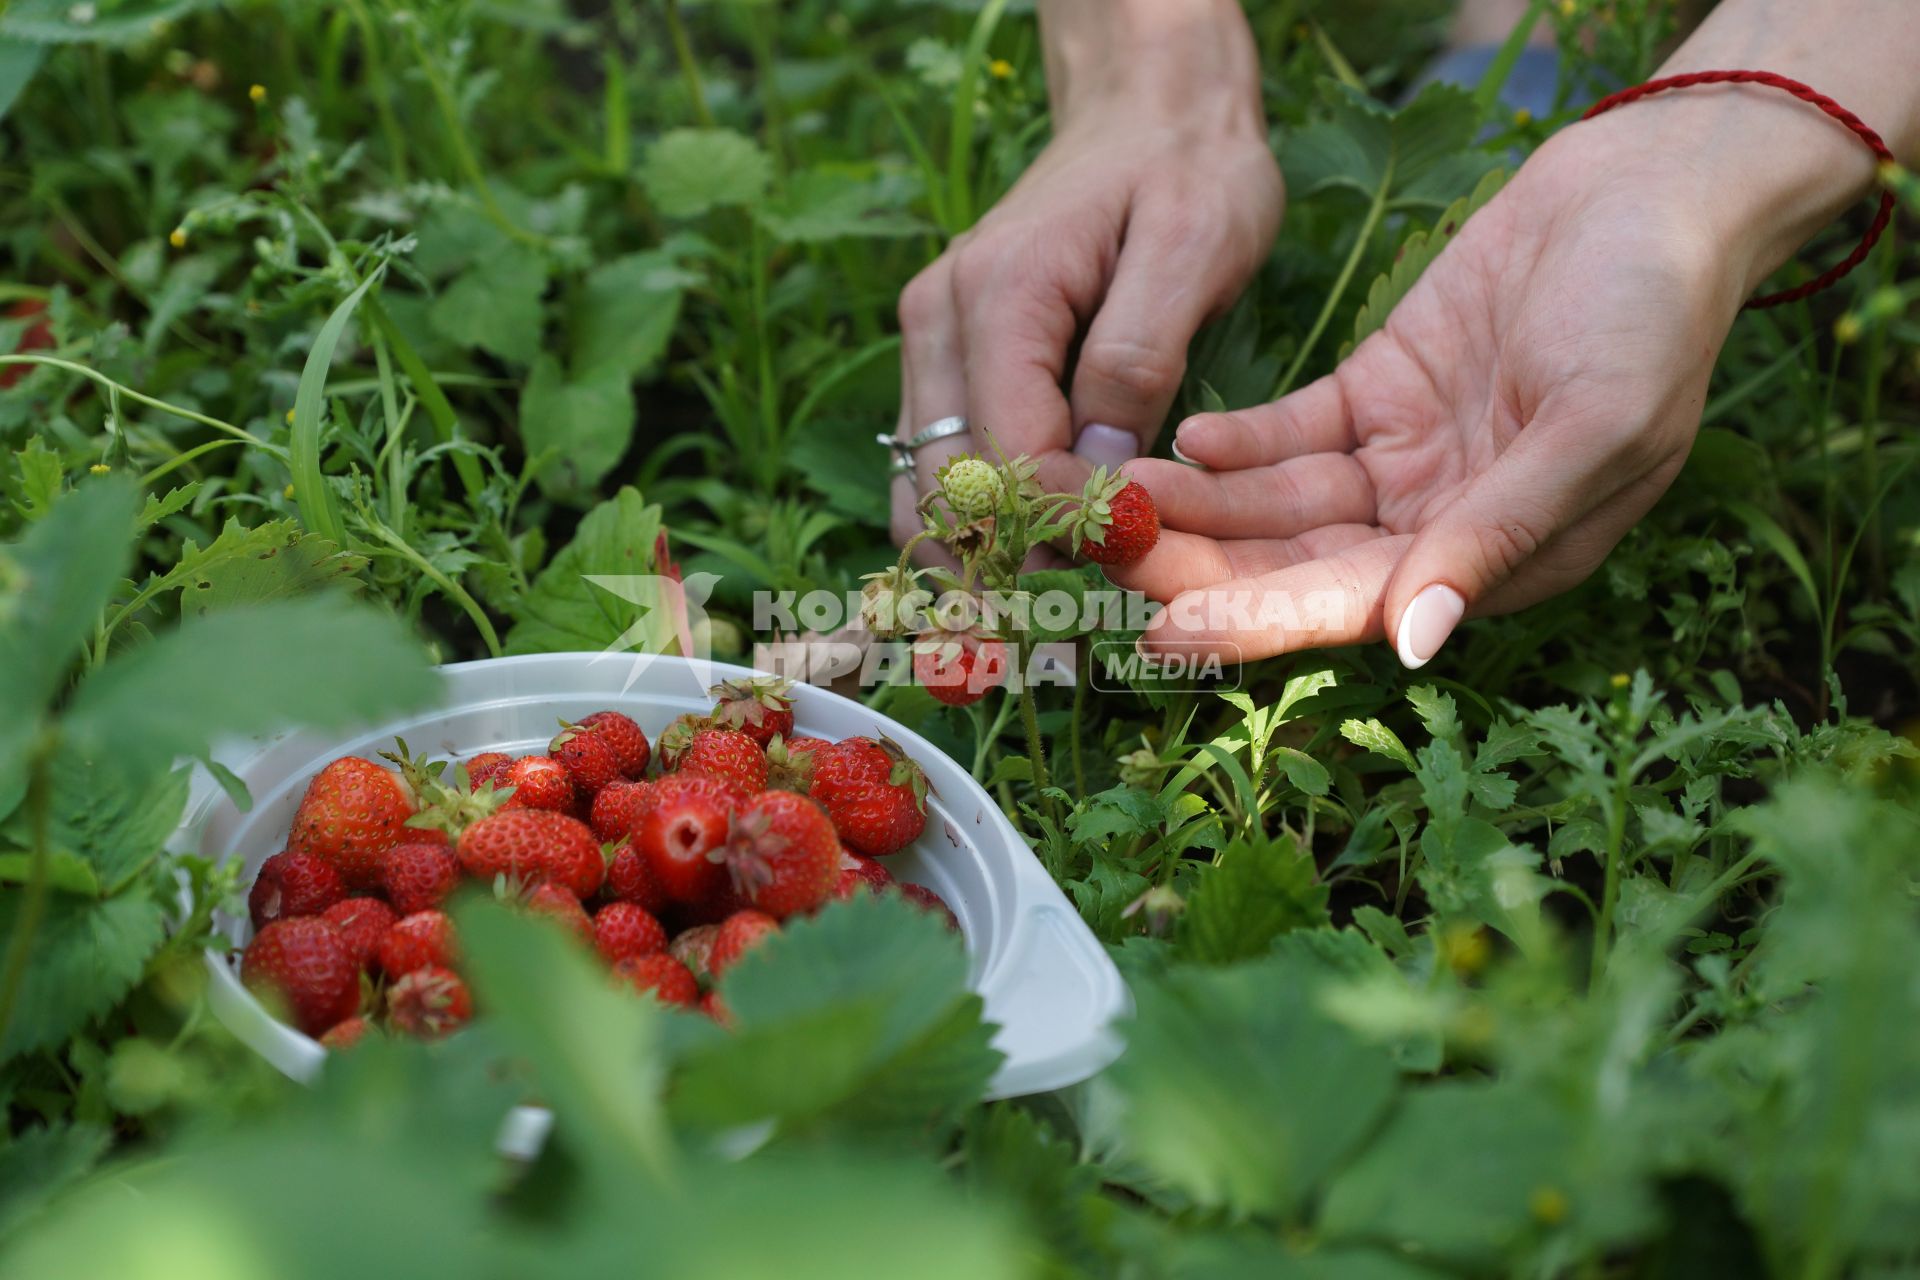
column 339, row 341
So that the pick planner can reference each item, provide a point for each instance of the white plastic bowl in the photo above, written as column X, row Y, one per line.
column 1045, row 979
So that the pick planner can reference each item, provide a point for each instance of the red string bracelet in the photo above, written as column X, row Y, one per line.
column 1860, row 129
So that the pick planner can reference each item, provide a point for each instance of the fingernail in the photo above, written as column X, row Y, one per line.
column 1183, row 457
column 1106, row 446
column 1427, row 623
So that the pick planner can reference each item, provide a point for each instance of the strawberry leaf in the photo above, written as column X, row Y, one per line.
column 86, row 956
column 1256, row 891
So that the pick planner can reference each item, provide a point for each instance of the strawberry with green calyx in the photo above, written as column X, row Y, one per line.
column 362, row 922
column 660, row 976
column 621, row 930
column 590, row 760
column 729, row 756
column 759, row 706
column 416, row 941
column 782, row 854
column 488, row 766
column 674, row 740
column 353, row 811
column 694, row 949
column 293, row 884
column 958, row 667
column 530, row 846
column 874, row 794
column 893, row 600
column 626, row 738
column 429, row 1002
column 790, row 763
column 972, row 486
column 738, row 934
column 303, row 965
column 1117, row 523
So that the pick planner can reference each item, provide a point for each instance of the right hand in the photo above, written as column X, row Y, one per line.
column 1146, row 215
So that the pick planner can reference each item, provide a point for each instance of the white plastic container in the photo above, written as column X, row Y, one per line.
column 1045, row 979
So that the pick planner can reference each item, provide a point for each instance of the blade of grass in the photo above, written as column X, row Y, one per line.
column 318, row 508
column 960, row 141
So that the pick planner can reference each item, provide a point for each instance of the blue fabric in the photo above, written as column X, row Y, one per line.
column 1529, row 87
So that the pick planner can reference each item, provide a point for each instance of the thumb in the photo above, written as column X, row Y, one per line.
column 1476, row 540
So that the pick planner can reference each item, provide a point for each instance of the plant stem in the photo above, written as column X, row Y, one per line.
column 1374, row 213
column 1030, row 722
column 689, row 69
column 1079, row 704
column 1610, row 891
column 135, row 396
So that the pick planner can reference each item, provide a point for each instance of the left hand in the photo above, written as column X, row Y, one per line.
column 1529, row 400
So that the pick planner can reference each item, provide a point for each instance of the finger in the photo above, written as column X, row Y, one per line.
column 1314, row 419
column 1275, row 501
column 933, row 386
column 1550, row 477
column 1135, row 351
column 1190, row 563
column 1332, row 600
column 1015, row 327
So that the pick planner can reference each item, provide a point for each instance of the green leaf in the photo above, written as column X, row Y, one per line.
column 1422, row 152
column 1767, row 531
column 245, row 566
column 495, row 305
column 66, row 873
column 577, row 428
column 319, row 508
column 1115, row 812
column 1254, row 892
column 1416, row 254
column 820, row 205
column 1238, row 1091
column 87, row 954
column 626, row 313
column 861, row 1012
column 19, row 59
column 116, row 828
column 61, row 22
column 1302, row 770
column 686, row 172
column 41, row 477
column 1454, row 1172
column 568, row 611
column 316, row 661
column 53, row 584
column 38, row 1164
column 1371, row 735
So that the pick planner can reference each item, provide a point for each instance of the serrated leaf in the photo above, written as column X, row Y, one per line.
column 495, row 305
column 1255, row 891
column 1241, row 1093
column 41, row 475
column 1117, row 811
column 1302, row 770
column 244, row 566
column 66, row 873
column 569, row 612
column 87, row 954
column 1416, row 254
column 1422, row 151
column 686, row 172
column 1371, row 735
column 172, row 503
column 577, row 427
column 39, row 1163
column 316, row 661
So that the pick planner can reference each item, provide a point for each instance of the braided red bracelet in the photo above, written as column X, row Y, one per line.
column 1860, row 128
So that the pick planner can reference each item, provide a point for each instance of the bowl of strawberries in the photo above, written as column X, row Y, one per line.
column 670, row 813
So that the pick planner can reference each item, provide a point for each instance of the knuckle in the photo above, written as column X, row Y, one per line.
column 924, row 299
column 1132, row 368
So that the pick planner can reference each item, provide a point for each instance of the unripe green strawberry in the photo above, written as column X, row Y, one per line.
column 972, row 487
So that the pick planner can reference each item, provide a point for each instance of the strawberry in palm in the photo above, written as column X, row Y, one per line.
column 1117, row 523
column 352, row 812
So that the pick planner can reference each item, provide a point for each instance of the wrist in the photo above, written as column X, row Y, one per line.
column 1159, row 59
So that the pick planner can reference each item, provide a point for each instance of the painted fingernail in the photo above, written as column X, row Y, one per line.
column 1427, row 623
column 1106, row 446
column 1175, row 446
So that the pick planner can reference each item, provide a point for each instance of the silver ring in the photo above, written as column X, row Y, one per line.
column 903, row 449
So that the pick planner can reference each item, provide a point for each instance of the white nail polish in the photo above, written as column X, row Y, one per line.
column 1175, row 446
column 1426, row 623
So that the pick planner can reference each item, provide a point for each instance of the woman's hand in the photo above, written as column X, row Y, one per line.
column 1150, row 209
column 1527, row 402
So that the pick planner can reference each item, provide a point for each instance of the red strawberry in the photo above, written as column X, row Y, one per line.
column 958, row 667
column 362, row 922
column 621, row 929
column 876, row 797
column 626, row 738
column 739, row 933
column 858, row 872
column 344, row 1035
column 304, row 965
column 615, row 808
column 488, row 766
column 531, row 846
column 782, row 854
column 416, row 941
column 418, row 876
column 729, row 755
column 630, row 878
column 38, row 337
column 686, row 820
column 1118, row 523
column 589, row 759
column 665, row 978
column 429, row 1002
column 759, row 706
column 790, row 763
column 715, row 1008
column 538, row 782
column 929, row 901
column 293, row 884
column 353, row 812
column 674, row 740
column 556, row 903
column 694, row 949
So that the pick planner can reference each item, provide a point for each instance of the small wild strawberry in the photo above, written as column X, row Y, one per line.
column 344, row 1035
column 660, row 976
column 531, row 846
column 488, row 766
column 353, row 811
column 677, row 737
column 739, row 933
column 557, row 904
column 418, row 876
column 973, row 487
column 875, row 796
column 589, row 759
column 694, row 949
column 685, row 821
column 630, row 878
column 958, row 667
column 1118, row 523
column 782, row 854
column 293, row 884
column 729, row 755
column 860, row 874
column 615, row 808
column 416, row 941
column 621, row 929
column 362, row 922
column 538, row 782
column 759, row 706
column 624, row 736
column 303, row 965
column 429, row 1002
column 929, row 901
